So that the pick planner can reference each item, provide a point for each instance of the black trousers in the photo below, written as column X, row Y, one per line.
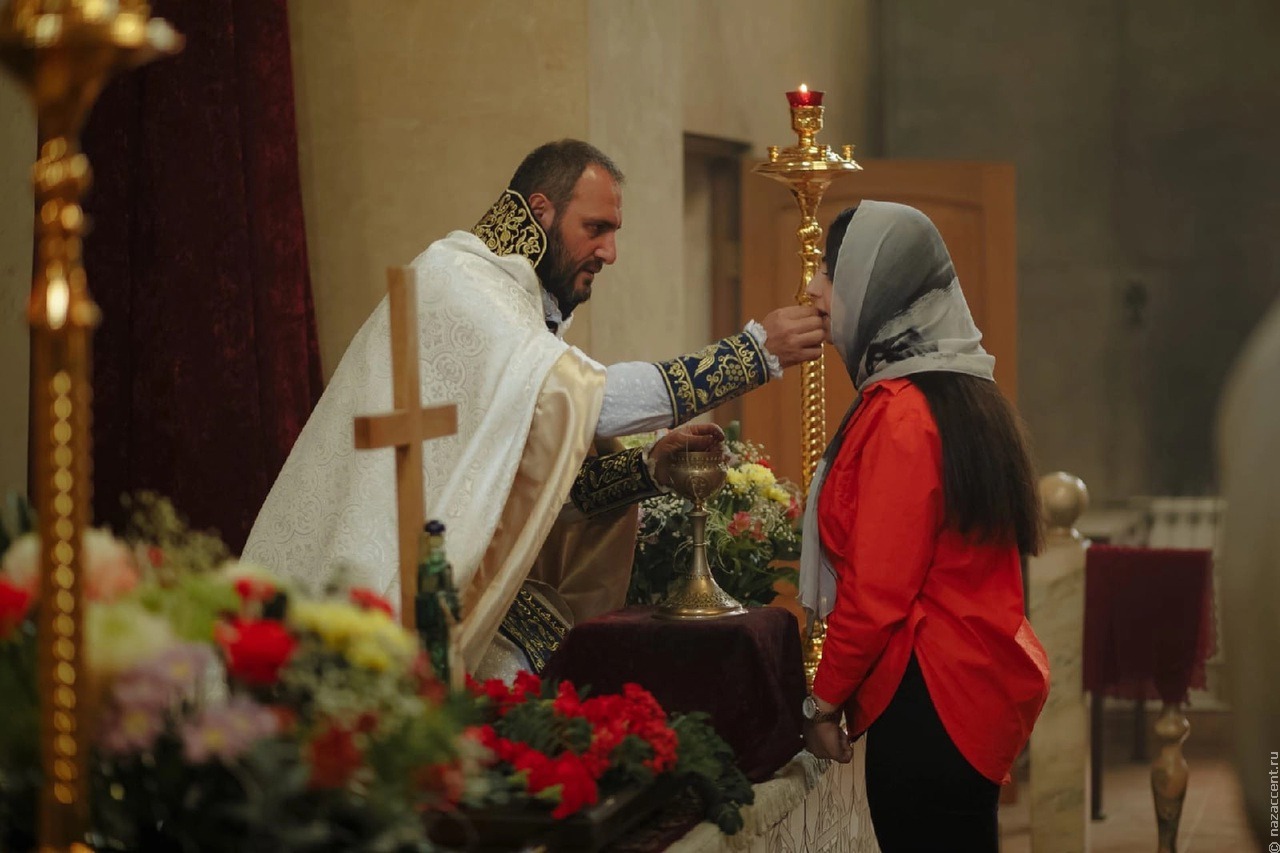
column 923, row 795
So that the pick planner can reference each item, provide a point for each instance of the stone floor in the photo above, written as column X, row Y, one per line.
column 1212, row 816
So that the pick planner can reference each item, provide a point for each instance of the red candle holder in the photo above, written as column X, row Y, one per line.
column 805, row 97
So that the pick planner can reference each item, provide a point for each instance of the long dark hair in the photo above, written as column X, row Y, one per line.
column 987, row 479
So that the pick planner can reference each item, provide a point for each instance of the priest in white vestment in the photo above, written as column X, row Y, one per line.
column 529, row 488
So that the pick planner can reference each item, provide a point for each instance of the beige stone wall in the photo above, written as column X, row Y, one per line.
column 663, row 68
column 17, row 151
column 739, row 59
column 411, row 118
column 633, row 89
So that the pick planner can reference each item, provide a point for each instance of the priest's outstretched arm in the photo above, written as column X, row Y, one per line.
column 642, row 396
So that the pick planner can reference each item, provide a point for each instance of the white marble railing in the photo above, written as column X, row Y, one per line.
column 810, row 805
column 1060, row 740
column 1184, row 522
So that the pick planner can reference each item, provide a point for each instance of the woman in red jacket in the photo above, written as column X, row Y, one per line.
column 922, row 506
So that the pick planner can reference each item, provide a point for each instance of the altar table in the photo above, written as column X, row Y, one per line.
column 745, row 671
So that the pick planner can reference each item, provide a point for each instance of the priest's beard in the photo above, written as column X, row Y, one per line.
column 559, row 272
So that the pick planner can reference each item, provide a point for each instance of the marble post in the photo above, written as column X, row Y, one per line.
column 1060, row 741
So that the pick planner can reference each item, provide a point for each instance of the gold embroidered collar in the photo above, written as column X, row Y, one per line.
column 510, row 228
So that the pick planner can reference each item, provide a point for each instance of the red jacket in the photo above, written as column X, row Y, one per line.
column 907, row 584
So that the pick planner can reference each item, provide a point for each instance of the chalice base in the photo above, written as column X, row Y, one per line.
column 698, row 598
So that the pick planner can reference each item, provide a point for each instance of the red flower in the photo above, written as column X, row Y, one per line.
column 793, row 509
column 643, row 703
column 600, row 710
column 14, row 602
column 334, row 757
column 577, row 787
column 740, row 523
column 567, row 703
column 366, row 722
column 497, row 693
column 483, row 735
column 447, row 780
column 255, row 589
column 286, row 718
column 155, row 556
column 664, row 743
column 255, row 649
column 367, row 599
column 424, row 675
column 527, row 686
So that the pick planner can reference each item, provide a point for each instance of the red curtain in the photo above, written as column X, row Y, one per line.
column 206, row 365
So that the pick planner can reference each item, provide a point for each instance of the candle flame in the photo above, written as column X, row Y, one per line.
column 804, row 88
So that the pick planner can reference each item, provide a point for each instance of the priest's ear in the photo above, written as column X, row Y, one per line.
column 543, row 210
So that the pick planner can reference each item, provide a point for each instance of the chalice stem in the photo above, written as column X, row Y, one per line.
column 700, row 568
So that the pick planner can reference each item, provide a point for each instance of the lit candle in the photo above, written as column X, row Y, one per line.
column 805, row 97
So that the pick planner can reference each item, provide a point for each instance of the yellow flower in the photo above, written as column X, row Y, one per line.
column 757, row 475
column 736, row 480
column 369, row 655
column 778, row 495
column 366, row 638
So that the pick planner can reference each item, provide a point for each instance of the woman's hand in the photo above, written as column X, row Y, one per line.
column 828, row 740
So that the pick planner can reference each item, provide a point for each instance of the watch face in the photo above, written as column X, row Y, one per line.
column 810, row 708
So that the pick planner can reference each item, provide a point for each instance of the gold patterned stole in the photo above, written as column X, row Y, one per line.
column 510, row 228
column 534, row 627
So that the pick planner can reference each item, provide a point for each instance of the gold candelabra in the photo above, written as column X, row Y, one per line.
column 64, row 52
column 807, row 169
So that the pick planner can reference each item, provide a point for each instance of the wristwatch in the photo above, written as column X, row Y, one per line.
column 813, row 715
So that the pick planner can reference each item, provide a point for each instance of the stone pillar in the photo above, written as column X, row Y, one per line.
column 1060, row 741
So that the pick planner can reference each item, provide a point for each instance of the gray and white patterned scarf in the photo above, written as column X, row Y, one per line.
column 896, row 309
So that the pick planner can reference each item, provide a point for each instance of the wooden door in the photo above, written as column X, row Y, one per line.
column 972, row 204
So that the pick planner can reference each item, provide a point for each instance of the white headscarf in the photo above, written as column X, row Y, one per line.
column 896, row 309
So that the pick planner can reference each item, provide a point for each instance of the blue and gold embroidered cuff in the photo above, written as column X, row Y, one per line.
column 534, row 628
column 611, row 481
column 713, row 375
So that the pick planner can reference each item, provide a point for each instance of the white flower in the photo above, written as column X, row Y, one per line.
column 121, row 634
column 109, row 568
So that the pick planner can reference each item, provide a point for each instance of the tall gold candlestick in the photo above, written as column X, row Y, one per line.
column 64, row 51
column 807, row 169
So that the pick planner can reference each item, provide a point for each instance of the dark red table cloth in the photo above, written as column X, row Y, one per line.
column 1148, row 625
column 745, row 671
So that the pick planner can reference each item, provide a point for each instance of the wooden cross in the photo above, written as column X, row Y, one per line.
column 405, row 429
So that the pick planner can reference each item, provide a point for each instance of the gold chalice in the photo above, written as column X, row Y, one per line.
column 697, row 475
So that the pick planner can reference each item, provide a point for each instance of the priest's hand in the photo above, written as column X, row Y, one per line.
column 696, row 437
column 828, row 740
column 795, row 333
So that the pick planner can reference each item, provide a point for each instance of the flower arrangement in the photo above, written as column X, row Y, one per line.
column 549, row 744
column 753, row 527
column 228, row 710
